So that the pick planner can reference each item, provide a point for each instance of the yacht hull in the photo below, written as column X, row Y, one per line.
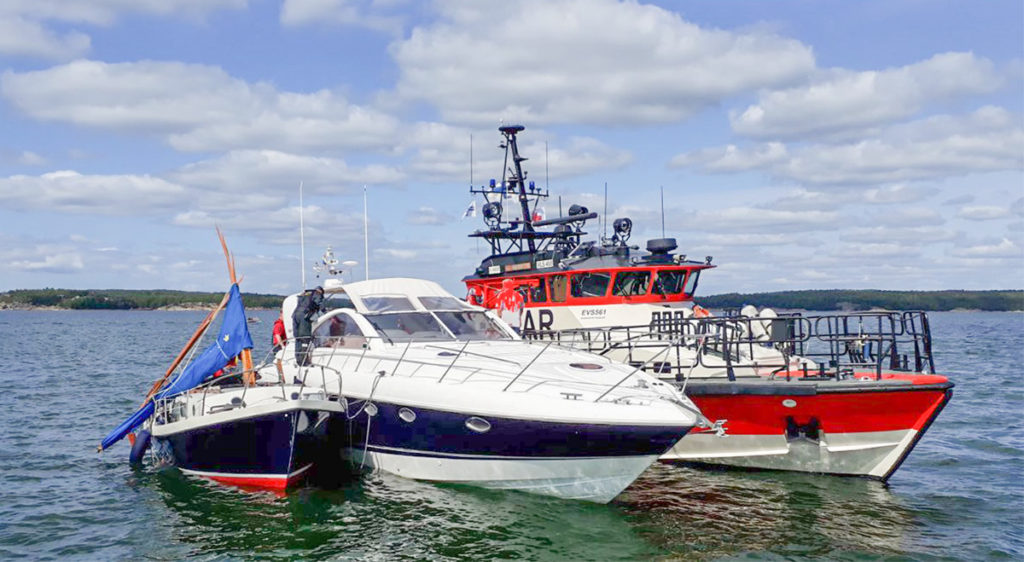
column 592, row 462
column 854, row 429
column 270, row 449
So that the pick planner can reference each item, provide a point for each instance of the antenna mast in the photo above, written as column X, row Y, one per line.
column 662, row 211
column 366, row 237
column 302, row 240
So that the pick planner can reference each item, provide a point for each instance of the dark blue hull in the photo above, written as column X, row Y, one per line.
column 436, row 433
column 267, row 451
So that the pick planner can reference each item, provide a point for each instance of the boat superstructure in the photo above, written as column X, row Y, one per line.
column 842, row 393
column 437, row 389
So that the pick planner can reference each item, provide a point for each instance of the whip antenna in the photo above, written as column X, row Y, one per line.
column 302, row 241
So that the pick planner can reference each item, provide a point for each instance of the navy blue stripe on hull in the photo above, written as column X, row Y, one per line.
column 270, row 444
column 445, row 434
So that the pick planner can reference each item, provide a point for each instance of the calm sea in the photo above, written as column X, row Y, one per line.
column 66, row 378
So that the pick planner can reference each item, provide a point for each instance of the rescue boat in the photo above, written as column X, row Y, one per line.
column 845, row 394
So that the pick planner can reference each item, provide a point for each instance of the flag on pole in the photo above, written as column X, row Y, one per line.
column 539, row 214
column 470, row 210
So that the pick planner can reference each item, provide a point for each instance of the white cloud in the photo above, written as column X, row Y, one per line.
column 430, row 216
column 1005, row 248
column 584, row 61
column 195, row 107
column 278, row 173
column 29, row 158
column 442, row 154
column 732, row 158
column 989, row 139
column 363, row 13
column 72, row 192
column 880, row 234
column 27, row 38
column 983, row 213
column 63, row 262
column 841, row 100
column 27, row 26
column 750, row 219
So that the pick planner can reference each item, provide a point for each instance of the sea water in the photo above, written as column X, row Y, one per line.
column 67, row 378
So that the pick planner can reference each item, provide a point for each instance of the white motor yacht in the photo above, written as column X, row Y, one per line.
column 437, row 389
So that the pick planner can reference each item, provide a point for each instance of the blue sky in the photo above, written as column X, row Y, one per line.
column 802, row 144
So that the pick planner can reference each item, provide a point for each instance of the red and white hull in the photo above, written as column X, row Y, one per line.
column 855, row 428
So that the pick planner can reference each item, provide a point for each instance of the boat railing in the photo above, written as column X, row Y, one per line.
column 818, row 345
column 408, row 364
column 177, row 407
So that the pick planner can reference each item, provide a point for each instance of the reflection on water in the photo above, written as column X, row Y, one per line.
column 703, row 513
column 670, row 512
column 387, row 517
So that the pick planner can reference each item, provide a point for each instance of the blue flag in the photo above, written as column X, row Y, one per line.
column 232, row 339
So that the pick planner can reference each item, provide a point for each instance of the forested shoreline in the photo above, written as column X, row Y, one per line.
column 124, row 299
column 842, row 299
column 829, row 299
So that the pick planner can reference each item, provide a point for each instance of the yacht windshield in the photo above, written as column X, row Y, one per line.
column 406, row 326
column 387, row 304
column 472, row 325
column 443, row 303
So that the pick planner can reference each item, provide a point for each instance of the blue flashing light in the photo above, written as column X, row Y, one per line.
column 493, row 183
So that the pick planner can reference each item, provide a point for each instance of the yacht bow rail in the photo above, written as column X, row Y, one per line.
column 451, row 364
column 815, row 346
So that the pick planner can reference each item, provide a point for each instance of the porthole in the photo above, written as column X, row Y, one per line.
column 371, row 409
column 407, row 415
column 478, row 425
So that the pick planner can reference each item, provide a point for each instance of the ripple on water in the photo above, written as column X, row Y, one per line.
column 957, row 496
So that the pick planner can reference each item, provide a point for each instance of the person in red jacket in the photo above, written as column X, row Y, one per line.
column 279, row 338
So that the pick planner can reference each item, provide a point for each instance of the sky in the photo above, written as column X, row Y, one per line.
column 802, row 144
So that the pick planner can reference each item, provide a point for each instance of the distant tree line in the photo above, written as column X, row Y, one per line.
column 840, row 299
column 118, row 299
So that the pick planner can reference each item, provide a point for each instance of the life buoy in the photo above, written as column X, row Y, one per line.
column 701, row 312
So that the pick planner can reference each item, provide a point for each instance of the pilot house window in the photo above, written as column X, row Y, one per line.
column 558, row 288
column 631, row 283
column 591, row 284
column 538, row 293
column 669, row 282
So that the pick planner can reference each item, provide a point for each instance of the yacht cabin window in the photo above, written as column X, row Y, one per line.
column 408, row 326
column 631, row 283
column 333, row 301
column 471, row 325
column 339, row 330
column 590, row 284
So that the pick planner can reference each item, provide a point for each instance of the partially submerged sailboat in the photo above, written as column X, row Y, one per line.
column 227, row 426
column 840, row 394
column 436, row 389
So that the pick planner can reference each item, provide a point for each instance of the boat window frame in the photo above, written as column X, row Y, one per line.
column 627, row 272
column 689, row 288
column 541, row 289
column 552, row 296
column 592, row 273
column 674, row 270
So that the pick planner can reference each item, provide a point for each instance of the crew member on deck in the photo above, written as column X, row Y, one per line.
column 302, row 322
column 278, row 339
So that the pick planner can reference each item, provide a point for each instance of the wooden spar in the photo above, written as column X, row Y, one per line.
column 248, row 376
column 188, row 347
